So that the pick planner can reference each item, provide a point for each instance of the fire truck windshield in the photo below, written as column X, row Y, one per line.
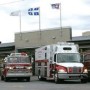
column 18, row 60
column 68, row 57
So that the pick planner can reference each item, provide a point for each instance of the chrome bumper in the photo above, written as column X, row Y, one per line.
column 72, row 76
column 18, row 74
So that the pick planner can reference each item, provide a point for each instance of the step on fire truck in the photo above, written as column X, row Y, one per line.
column 59, row 62
column 16, row 65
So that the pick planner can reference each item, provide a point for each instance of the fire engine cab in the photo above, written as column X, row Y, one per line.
column 59, row 62
column 16, row 65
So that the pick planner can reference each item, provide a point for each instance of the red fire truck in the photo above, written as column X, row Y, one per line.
column 16, row 65
column 86, row 61
column 59, row 62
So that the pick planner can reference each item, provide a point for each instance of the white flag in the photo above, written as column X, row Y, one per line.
column 15, row 13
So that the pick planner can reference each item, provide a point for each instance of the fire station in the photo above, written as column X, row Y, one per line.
column 28, row 41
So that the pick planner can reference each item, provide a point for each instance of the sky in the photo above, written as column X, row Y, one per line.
column 74, row 14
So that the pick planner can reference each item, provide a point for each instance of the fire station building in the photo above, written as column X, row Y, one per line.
column 28, row 41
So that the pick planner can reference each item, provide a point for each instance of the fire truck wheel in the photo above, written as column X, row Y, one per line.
column 39, row 77
column 28, row 79
column 2, row 78
column 5, row 79
column 56, row 78
column 84, row 81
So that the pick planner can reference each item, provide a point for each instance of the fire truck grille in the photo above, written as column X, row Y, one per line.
column 74, row 70
column 18, row 71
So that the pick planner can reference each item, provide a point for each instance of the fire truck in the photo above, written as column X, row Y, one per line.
column 18, row 66
column 59, row 62
column 86, row 61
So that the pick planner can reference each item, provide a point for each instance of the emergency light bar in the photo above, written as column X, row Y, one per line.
column 18, row 54
column 65, row 43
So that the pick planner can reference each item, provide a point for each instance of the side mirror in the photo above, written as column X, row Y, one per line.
column 32, row 60
column 81, row 59
column 55, row 58
column 1, row 65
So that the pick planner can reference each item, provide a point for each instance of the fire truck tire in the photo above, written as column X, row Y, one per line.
column 6, row 79
column 56, row 78
column 84, row 80
column 2, row 78
column 39, row 77
column 28, row 79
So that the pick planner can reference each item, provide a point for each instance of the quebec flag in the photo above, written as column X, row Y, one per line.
column 33, row 11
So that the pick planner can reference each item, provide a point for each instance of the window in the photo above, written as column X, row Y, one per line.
column 55, row 58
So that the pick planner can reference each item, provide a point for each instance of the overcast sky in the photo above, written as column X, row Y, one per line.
column 74, row 13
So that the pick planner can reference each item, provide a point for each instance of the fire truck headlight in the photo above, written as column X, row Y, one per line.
column 85, row 71
column 28, row 67
column 9, row 67
column 61, row 71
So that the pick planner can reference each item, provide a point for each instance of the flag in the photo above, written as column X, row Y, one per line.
column 15, row 13
column 33, row 11
column 55, row 6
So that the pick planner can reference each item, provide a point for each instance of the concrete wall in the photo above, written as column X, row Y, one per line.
column 43, row 37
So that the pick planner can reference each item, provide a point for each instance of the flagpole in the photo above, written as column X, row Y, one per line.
column 20, row 26
column 40, row 27
column 60, row 21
